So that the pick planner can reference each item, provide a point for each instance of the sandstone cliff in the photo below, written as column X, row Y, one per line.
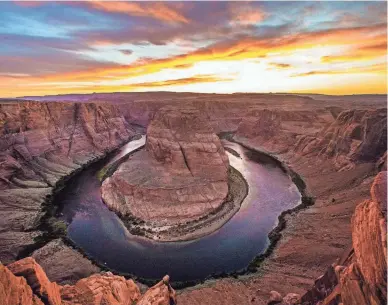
column 354, row 136
column 40, row 144
column 360, row 276
column 181, row 176
column 24, row 282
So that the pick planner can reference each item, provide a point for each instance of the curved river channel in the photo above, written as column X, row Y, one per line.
column 102, row 235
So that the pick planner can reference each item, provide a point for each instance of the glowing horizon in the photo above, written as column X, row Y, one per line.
column 209, row 47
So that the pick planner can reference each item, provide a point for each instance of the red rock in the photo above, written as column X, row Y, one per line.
column 160, row 294
column 181, row 177
column 275, row 297
column 291, row 299
column 379, row 190
column 14, row 290
column 104, row 288
column 40, row 143
column 370, row 247
column 37, row 280
column 352, row 290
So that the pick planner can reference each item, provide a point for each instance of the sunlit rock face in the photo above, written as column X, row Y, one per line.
column 181, row 176
column 24, row 282
column 360, row 276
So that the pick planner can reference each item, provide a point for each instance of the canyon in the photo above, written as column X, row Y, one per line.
column 337, row 146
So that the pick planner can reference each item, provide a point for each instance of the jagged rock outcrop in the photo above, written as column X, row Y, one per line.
column 25, row 283
column 104, row 288
column 160, row 294
column 360, row 277
column 40, row 144
column 180, row 177
column 37, row 280
column 14, row 290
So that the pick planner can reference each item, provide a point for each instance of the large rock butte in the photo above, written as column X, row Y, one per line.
column 181, row 176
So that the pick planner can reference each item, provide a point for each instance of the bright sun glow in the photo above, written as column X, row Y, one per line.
column 197, row 47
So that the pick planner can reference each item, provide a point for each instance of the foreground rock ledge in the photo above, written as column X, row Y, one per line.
column 24, row 282
column 180, row 177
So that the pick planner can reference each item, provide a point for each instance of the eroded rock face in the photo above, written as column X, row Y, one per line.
column 370, row 247
column 160, row 294
column 361, row 276
column 181, row 176
column 14, row 290
column 37, row 280
column 104, row 288
column 25, row 283
column 62, row 263
column 40, row 144
column 355, row 136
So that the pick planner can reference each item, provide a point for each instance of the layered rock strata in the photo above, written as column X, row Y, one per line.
column 40, row 145
column 180, row 177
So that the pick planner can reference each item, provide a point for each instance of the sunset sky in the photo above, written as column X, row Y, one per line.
column 220, row 47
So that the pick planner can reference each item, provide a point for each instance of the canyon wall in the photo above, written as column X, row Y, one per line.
column 40, row 144
column 360, row 276
column 351, row 137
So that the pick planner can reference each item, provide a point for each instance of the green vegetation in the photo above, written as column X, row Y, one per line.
column 57, row 227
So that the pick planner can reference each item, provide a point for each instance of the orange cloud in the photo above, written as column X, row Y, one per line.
column 244, row 49
column 248, row 48
column 364, row 51
column 156, row 10
column 280, row 65
column 64, row 89
column 206, row 78
column 376, row 69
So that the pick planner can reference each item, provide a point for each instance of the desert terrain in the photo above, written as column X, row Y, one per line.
column 179, row 186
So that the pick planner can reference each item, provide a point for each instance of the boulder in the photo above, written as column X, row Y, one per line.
column 274, row 298
column 291, row 299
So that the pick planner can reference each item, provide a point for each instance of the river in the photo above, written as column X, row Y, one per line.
column 101, row 234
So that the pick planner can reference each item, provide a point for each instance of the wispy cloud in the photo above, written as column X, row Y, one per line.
column 109, row 45
column 157, row 10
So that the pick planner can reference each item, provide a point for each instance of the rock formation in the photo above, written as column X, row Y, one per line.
column 37, row 280
column 360, row 277
column 355, row 136
column 181, row 176
column 40, row 145
column 25, row 283
column 14, row 290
